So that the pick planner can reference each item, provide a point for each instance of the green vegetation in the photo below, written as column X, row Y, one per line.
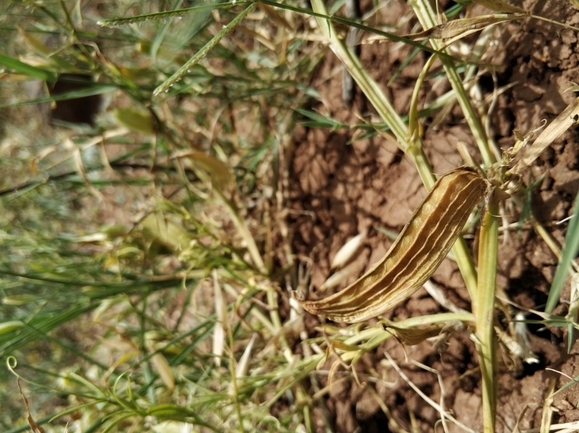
column 145, row 253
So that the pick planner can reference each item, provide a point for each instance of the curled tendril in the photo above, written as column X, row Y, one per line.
column 12, row 363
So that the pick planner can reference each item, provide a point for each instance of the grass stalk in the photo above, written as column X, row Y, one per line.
column 368, row 86
column 427, row 18
column 484, row 311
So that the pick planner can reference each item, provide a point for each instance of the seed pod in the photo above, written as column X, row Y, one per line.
column 417, row 252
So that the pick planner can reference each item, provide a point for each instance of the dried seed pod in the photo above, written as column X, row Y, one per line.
column 415, row 255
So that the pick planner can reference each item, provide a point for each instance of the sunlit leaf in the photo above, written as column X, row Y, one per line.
column 136, row 120
column 567, row 256
column 19, row 67
column 165, row 231
column 460, row 28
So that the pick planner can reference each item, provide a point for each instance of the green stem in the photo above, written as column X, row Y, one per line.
column 427, row 18
column 484, row 311
column 367, row 85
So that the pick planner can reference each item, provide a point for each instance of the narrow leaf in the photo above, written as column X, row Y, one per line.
column 34, row 42
column 562, row 123
column 136, row 120
column 569, row 252
column 113, row 22
column 164, row 369
column 93, row 89
column 164, row 87
column 345, row 254
column 221, row 315
column 500, row 6
column 463, row 27
column 219, row 173
column 24, row 68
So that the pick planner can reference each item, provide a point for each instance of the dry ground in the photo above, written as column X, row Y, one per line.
column 343, row 185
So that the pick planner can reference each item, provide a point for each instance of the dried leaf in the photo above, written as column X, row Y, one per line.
column 221, row 314
column 500, row 6
column 35, row 427
column 413, row 336
column 562, row 122
column 460, row 28
column 243, row 364
column 164, row 369
column 219, row 173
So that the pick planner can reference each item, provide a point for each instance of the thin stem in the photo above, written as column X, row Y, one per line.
column 484, row 311
column 368, row 86
column 426, row 16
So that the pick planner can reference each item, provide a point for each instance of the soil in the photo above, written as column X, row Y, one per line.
column 343, row 184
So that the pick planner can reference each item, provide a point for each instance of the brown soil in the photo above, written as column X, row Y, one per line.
column 341, row 188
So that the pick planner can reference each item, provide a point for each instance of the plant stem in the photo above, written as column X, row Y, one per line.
column 367, row 85
column 484, row 311
column 427, row 18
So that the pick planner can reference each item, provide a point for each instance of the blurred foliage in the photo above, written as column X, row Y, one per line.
column 116, row 205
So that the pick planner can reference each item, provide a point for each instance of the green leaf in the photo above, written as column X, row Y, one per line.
column 113, row 22
column 92, row 89
column 569, row 252
column 19, row 67
column 164, row 87
column 319, row 120
column 136, row 120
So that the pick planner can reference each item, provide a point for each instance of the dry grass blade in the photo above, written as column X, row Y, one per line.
column 33, row 425
column 460, row 28
column 548, row 407
column 499, row 6
column 421, row 247
column 164, row 369
column 242, row 366
column 557, row 127
column 221, row 314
